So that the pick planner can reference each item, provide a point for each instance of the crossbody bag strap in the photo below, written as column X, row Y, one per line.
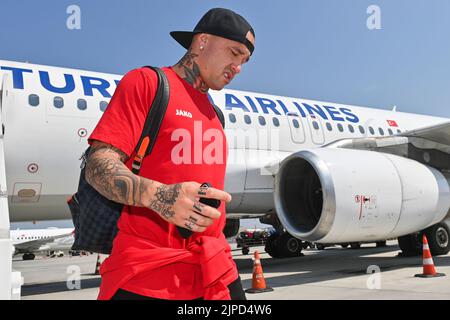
column 153, row 120
column 219, row 115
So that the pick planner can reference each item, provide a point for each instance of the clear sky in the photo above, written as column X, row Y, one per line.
column 314, row 49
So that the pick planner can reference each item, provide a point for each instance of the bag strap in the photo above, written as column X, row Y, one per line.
column 153, row 120
column 219, row 115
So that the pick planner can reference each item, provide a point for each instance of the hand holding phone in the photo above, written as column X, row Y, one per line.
column 185, row 233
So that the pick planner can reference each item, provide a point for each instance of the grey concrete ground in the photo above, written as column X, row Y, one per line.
column 334, row 273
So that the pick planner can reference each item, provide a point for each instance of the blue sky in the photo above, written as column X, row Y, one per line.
column 314, row 49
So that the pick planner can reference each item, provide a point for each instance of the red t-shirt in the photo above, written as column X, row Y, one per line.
column 190, row 126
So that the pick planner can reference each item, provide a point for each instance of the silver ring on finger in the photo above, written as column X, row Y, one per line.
column 202, row 190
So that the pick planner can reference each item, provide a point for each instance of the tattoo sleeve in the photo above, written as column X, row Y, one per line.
column 107, row 173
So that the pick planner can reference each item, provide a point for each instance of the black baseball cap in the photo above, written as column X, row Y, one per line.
column 219, row 22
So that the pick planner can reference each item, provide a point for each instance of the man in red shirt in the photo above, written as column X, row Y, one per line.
column 150, row 259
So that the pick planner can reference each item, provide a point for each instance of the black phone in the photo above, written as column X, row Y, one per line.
column 186, row 233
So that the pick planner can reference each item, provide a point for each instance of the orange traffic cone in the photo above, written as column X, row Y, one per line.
column 428, row 265
column 97, row 265
column 258, row 282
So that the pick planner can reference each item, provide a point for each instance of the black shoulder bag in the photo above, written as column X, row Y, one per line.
column 94, row 216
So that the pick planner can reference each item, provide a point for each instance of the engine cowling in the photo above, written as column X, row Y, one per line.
column 338, row 195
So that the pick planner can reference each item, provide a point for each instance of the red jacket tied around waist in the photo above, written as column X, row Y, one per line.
column 210, row 254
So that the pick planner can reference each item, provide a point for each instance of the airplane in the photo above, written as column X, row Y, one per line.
column 28, row 242
column 316, row 171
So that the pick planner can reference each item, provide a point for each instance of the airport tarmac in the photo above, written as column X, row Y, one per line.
column 334, row 273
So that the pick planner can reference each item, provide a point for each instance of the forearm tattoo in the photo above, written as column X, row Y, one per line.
column 107, row 173
column 165, row 198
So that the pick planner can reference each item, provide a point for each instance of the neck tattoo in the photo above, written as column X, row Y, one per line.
column 191, row 71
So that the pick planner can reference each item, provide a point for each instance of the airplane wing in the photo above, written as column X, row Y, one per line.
column 34, row 245
column 429, row 145
column 438, row 133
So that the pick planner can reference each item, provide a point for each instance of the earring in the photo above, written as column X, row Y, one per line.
column 201, row 48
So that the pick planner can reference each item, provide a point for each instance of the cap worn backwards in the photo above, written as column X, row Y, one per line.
column 219, row 22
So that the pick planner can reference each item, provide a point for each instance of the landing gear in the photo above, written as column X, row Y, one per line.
column 320, row 246
column 28, row 256
column 411, row 244
column 283, row 246
column 381, row 244
column 438, row 237
column 355, row 245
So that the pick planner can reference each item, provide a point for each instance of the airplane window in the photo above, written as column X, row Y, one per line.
column 58, row 102
column 82, row 104
column 390, row 132
column 276, row 122
column 329, row 127
column 103, row 106
column 33, row 100
column 295, row 123
column 350, row 128
column 399, row 131
column 262, row 120
column 232, row 118
column 361, row 129
column 340, row 127
column 381, row 131
column 315, row 125
column 247, row 119
column 371, row 130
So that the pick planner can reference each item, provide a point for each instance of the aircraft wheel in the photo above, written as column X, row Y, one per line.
column 381, row 244
column 355, row 245
column 289, row 245
column 411, row 244
column 438, row 239
column 320, row 246
column 28, row 256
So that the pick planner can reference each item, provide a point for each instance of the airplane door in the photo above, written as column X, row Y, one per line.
column 296, row 126
column 2, row 99
column 316, row 129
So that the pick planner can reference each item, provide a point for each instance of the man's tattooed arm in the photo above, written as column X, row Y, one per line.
column 107, row 173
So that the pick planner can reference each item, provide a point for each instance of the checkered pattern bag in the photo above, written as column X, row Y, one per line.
column 94, row 216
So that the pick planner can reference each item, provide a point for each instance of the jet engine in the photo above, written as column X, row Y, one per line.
column 330, row 195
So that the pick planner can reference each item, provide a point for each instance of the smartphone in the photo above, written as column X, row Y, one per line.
column 186, row 233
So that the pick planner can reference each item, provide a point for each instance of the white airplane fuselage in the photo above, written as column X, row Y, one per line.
column 29, row 241
column 20, row 236
column 48, row 113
